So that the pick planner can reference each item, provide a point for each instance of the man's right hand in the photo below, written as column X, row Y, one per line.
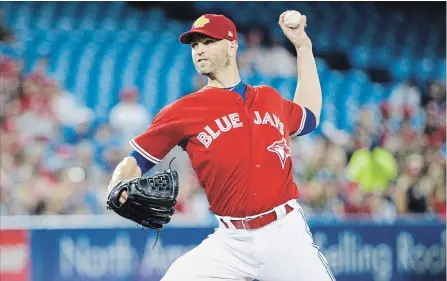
column 126, row 170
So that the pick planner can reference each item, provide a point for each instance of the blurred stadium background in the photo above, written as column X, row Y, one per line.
column 79, row 79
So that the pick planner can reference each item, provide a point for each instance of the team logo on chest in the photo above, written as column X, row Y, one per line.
column 281, row 149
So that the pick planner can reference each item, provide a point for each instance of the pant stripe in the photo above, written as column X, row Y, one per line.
column 320, row 255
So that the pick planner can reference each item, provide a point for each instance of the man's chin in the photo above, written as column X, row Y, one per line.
column 205, row 72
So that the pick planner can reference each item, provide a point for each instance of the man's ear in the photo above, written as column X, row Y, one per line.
column 233, row 47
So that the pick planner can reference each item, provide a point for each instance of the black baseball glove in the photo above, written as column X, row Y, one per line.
column 151, row 200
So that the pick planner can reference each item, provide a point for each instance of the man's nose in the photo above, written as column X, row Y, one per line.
column 200, row 48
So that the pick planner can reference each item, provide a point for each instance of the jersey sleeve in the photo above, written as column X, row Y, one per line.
column 165, row 132
column 300, row 119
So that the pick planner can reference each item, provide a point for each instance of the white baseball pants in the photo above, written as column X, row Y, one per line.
column 281, row 251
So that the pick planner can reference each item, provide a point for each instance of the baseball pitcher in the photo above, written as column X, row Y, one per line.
column 237, row 138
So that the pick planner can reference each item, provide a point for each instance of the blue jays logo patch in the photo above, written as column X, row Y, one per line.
column 281, row 149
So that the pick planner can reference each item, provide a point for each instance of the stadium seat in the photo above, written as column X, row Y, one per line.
column 99, row 47
column 401, row 68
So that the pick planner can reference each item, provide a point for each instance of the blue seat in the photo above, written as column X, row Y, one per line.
column 98, row 48
column 441, row 70
column 356, row 76
column 424, row 69
column 380, row 57
column 401, row 68
column 323, row 41
column 348, row 102
column 360, row 57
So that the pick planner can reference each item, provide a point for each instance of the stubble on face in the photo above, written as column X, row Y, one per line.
column 211, row 56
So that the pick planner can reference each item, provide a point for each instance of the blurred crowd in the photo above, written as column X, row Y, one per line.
column 261, row 54
column 57, row 157
column 411, row 125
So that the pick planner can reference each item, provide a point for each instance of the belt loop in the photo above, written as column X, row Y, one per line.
column 228, row 223
column 280, row 211
column 224, row 223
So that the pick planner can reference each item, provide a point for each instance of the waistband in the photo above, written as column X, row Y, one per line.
column 281, row 212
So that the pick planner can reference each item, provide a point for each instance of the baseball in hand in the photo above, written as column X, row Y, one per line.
column 292, row 19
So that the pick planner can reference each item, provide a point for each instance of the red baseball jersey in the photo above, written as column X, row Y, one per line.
column 239, row 149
